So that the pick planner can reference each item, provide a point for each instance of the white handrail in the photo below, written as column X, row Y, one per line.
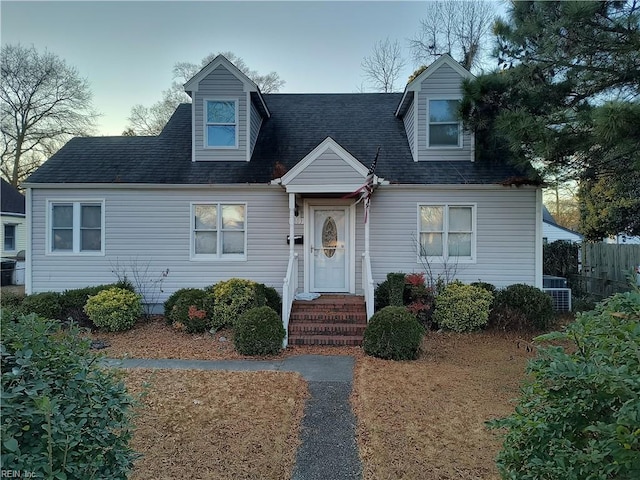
column 368, row 285
column 289, row 289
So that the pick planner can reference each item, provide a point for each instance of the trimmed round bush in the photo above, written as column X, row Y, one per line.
column 393, row 333
column 234, row 297
column 73, row 301
column 63, row 414
column 462, row 308
column 191, row 309
column 45, row 305
column 259, row 331
column 170, row 303
column 522, row 307
column 114, row 309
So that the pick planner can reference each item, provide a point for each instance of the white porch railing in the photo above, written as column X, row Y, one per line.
column 368, row 285
column 289, row 289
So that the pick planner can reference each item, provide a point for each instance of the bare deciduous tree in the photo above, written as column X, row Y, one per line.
column 151, row 120
column 44, row 102
column 384, row 66
column 459, row 28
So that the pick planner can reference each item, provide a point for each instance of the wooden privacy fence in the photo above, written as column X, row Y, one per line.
column 606, row 268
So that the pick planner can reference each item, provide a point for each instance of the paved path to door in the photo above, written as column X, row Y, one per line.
column 328, row 449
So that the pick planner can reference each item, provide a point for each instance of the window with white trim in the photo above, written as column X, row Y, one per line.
column 447, row 231
column 76, row 227
column 218, row 231
column 9, row 237
column 445, row 127
column 221, row 123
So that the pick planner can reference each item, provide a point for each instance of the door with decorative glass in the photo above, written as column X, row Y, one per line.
column 329, row 265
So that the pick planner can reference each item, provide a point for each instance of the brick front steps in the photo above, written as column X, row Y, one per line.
column 328, row 320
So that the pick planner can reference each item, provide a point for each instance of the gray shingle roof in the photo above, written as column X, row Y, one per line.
column 298, row 123
column 11, row 200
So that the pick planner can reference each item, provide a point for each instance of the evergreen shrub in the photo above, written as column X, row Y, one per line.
column 63, row 414
column 521, row 307
column 259, row 331
column 45, row 305
column 11, row 300
column 393, row 333
column 577, row 417
column 170, row 303
column 114, row 309
column 234, row 297
column 191, row 309
column 73, row 301
column 462, row 308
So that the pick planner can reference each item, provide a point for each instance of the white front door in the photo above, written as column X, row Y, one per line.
column 329, row 255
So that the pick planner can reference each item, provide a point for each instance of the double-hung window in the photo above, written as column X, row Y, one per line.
column 221, row 123
column 9, row 237
column 447, row 232
column 445, row 128
column 76, row 227
column 218, row 231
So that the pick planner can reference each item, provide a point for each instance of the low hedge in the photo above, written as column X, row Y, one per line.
column 393, row 333
column 44, row 304
column 73, row 301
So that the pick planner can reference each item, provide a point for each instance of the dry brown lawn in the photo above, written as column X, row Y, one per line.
column 216, row 425
column 421, row 420
column 155, row 339
column 425, row 419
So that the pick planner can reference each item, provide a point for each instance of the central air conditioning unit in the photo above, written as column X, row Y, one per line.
column 556, row 288
column 561, row 298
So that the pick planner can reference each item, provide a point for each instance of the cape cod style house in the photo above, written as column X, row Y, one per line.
column 236, row 174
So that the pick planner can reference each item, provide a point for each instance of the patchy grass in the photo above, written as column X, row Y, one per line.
column 425, row 419
column 214, row 424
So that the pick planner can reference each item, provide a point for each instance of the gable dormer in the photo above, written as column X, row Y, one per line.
column 429, row 110
column 226, row 113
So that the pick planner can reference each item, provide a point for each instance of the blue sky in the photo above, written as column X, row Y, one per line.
column 127, row 49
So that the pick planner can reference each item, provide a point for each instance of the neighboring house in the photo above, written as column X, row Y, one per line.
column 622, row 239
column 236, row 173
column 552, row 232
column 13, row 236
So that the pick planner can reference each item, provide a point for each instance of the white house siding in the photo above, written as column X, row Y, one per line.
column 553, row 233
column 21, row 234
column 409, row 127
column 444, row 83
column 256, row 122
column 220, row 83
column 152, row 226
column 505, row 237
column 328, row 168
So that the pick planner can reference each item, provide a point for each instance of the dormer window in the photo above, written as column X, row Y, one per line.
column 444, row 129
column 221, row 123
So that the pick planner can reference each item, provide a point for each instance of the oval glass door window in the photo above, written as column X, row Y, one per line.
column 329, row 237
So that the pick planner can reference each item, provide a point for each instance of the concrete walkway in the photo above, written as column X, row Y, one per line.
column 328, row 448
